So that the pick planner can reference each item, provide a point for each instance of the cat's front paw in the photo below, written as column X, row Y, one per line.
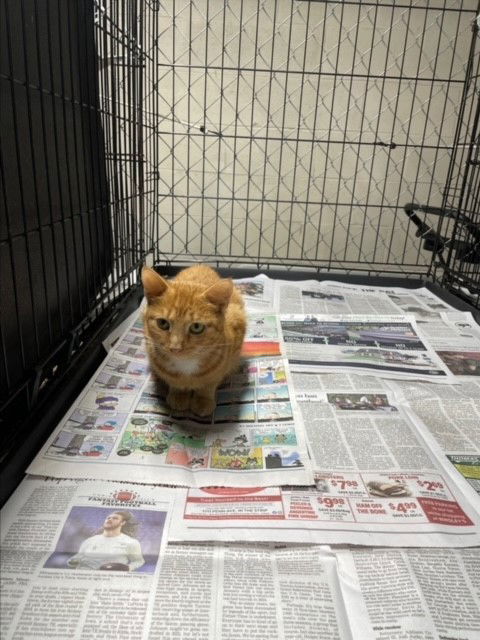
column 179, row 399
column 202, row 405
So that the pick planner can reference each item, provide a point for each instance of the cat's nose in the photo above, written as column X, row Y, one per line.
column 176, row 348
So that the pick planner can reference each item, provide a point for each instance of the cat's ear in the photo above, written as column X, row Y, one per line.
column 220, row 293
column 153, row 284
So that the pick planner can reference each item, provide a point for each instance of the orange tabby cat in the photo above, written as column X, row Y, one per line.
column 194, row 327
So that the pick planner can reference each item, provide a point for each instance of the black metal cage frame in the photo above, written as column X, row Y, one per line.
column 315, row 137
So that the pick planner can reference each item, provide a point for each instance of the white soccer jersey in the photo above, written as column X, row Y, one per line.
column 99, row 550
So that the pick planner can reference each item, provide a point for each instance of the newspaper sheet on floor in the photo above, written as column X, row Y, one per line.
column 311, row 296
column 432, row 314
column 215, row 591
column 81, row 559
column 197, row 591
column 457, row 342
column 121, row 426
column 233, row 592
column 380, row 479
column 386, row 346
column 258, row 292
column 419, row 302
column 452, row 417
column 453, row 334
column 342, row 381
column 455, row 337
column 427, row 594
column 328, row 296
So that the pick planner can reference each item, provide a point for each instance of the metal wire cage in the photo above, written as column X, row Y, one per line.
column 316, row 135
column 293, row 133
column 72, row 234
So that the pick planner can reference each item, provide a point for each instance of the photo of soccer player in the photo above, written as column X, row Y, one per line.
column 106, row 539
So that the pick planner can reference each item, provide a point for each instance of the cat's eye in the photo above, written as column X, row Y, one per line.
column 163, row 324
column 197, row 327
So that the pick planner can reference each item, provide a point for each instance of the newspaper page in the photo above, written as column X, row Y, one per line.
column 410, row 594
column 424, row 305
column 81, row 559
column 263, row 336
column 378, row 481
column 258, row 292
column 311, row 296
column 455, row 335
column 419, row 302
column 121, row 425
column 342, row 381
column 430, row 312
column 459, row 346
column 233, row 592
column 441, row 331
column 452, row 418
column 216, row 591
column 386, row 346
column 453, row 415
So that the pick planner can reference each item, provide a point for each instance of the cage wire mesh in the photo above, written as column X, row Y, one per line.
column 120, row 32
column 462, row 193
column 292, row 133
column 72, row 229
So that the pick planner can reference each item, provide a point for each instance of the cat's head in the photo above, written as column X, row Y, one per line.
column 184, row 318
